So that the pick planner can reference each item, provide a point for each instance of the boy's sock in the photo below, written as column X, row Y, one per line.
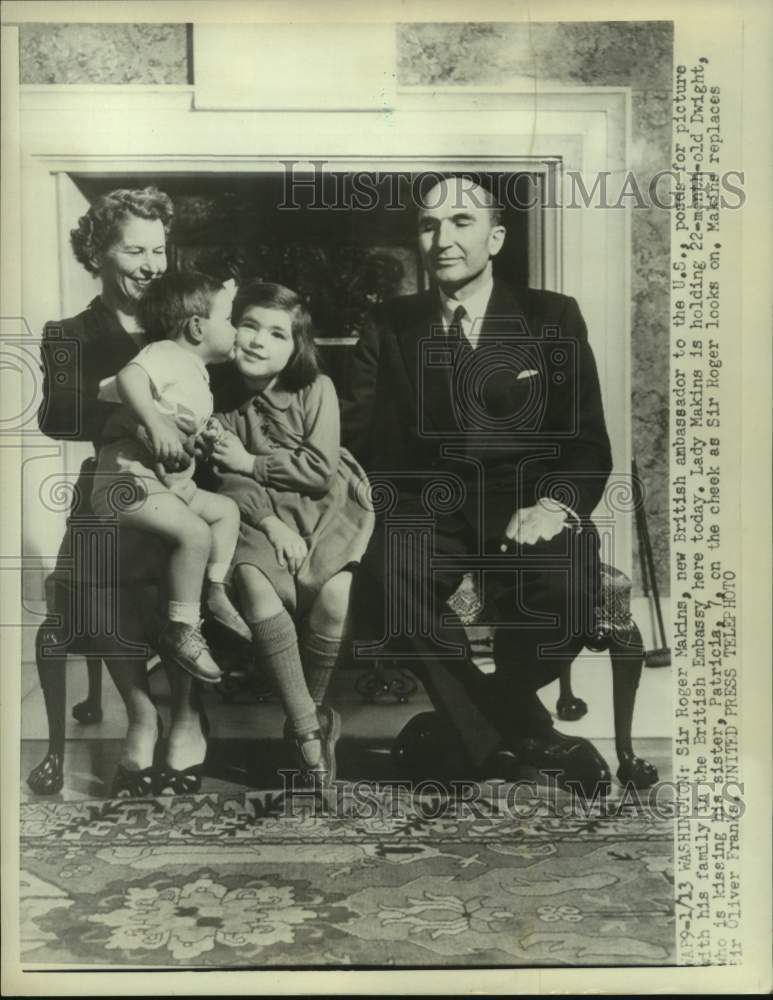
column 276, row 647
column 320, row 655
column 188, row 614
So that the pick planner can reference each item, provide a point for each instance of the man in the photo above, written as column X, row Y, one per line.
column 476, row 406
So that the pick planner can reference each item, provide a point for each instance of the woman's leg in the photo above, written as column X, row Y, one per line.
column 130, row 677
column 275, row 642
column 326, row 629
column 187, row 743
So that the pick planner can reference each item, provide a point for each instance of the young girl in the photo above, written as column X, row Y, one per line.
column 306, row 516
column 144, row 469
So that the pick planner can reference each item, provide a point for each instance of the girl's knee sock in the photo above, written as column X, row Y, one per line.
column 275, row 642
column 320, row 655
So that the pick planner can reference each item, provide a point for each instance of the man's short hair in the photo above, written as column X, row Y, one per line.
column 482, row 186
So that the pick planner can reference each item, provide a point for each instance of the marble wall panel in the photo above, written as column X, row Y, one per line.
column 104, row 53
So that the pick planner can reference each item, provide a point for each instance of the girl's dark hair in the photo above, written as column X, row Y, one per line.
column 303, row 367
column 100, row 227
column 172, row 300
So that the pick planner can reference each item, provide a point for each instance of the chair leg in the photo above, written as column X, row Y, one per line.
column 48, row 777
column 568, row 707
column 90, row 710
column 626, row 651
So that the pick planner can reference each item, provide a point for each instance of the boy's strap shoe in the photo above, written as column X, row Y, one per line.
column 185, row 646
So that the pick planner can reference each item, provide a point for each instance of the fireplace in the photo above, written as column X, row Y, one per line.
column 226, row 172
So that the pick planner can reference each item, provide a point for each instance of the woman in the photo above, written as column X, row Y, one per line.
column 121, row 240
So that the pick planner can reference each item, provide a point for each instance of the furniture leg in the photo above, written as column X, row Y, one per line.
column 90, row 710
column 375, row 683
column 626, row 651
column 569, row 708
column 48, row 777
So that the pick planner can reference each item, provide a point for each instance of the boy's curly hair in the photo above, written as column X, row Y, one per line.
column 100, row 227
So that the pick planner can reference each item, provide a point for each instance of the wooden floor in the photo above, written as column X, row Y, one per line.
column 246, row 748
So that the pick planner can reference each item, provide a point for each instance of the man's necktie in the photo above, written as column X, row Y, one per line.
column 456, row 328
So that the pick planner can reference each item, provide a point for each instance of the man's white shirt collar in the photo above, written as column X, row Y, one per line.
column 475, row 307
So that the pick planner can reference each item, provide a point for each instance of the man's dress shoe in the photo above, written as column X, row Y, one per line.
column 579, row 765
column 429, row 747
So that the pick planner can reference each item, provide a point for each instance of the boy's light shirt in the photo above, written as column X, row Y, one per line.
column 178, row 378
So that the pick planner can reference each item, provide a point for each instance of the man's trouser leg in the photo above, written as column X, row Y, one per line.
column 403, row 603
column 547, row 613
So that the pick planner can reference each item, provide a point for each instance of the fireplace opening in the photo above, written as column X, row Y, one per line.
column 345, row 241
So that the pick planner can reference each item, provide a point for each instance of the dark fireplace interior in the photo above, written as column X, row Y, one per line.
column 341, row 257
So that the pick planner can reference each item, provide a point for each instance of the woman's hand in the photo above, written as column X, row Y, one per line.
column 165, row 442
column 231, row 455
column 290, row 548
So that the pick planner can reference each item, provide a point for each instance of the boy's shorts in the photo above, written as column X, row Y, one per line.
column 125, row 478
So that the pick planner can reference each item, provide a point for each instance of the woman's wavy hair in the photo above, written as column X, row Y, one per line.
column 100, row 227
column 303, row 367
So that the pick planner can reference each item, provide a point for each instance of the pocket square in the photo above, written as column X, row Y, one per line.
column 529, row 373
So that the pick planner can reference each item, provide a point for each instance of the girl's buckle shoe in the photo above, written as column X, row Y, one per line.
column 322, row 774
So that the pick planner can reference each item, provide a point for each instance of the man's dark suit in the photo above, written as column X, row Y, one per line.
column 423, row 407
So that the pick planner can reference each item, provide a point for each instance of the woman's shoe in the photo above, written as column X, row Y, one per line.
column 129, row 784
column 138, row 784
column 322, row 774
column 170, row 781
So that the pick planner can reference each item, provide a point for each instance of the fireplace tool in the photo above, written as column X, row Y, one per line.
column 654, row 657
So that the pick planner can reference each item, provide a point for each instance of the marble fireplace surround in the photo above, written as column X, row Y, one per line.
column 158, row 130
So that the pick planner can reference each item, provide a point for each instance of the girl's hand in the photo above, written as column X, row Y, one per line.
column 207, row 437
column 231, row 454
column 290, row 548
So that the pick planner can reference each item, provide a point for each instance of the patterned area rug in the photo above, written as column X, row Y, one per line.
column 376, row 879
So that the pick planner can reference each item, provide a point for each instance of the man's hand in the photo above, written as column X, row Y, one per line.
column 530, row 525
column 290, row 548
column 229, row 453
